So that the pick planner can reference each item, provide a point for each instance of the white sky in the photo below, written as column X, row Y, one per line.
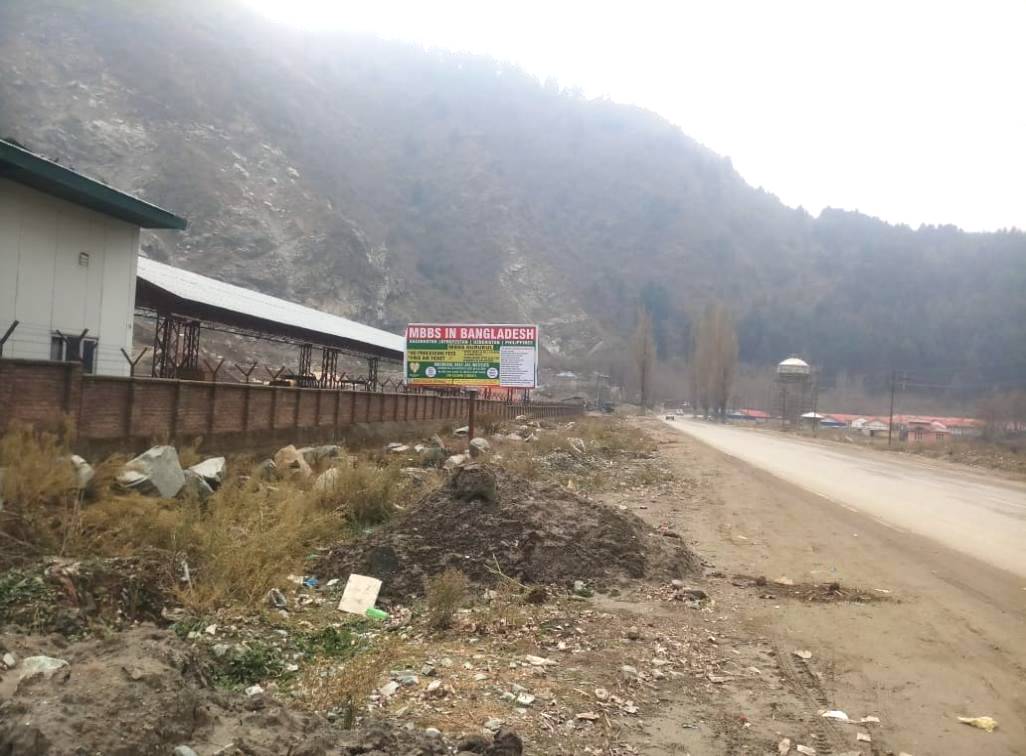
column 910, row 110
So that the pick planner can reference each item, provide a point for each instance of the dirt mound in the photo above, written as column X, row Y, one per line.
column 486, row 518
column 819, row 593
column 142, row 692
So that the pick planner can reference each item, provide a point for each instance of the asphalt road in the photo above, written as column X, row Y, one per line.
column 983, row 517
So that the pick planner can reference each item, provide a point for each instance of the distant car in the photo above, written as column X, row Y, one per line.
column 671, row 417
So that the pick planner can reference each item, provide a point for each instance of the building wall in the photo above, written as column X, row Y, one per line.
column 45, row 286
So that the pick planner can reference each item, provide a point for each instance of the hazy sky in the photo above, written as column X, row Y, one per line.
column 911, row 110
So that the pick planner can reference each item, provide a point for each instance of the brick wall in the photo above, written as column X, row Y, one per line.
column 126, row 413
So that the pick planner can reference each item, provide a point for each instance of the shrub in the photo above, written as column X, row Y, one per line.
column 446, row 593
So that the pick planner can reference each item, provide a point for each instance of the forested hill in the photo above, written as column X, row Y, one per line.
column 389, row 183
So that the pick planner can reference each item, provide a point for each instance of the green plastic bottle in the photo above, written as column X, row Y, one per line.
column 375, row 613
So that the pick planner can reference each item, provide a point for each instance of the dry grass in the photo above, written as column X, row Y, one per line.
column 446, row 593
column 365, row 494
column 41, row 504
column 330, row 686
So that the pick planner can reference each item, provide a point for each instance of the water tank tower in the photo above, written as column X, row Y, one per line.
column 795, row 390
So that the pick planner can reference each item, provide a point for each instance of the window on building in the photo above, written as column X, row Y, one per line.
column 74, row 349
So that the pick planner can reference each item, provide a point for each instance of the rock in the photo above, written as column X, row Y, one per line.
column 629, row 672
column 582, row 589
column 388, row 689
column 633, row 634
column 435, row 689
column 291, row 462
column 83, row 471
column 40, row 665
column 493, row 724
column 396, row 447
column 183, row 750
column 267, row 470
column 317, row 455
column 432, row 732
column 506, row 743
column 155, row 472
column 455, row 461
column 195, row 487
column 10, row 660
column 465, row 430
column 577, row 445
column 474, row 483
column 479, row 446
column 524, row 699
column 254, row 690
column 434, row 455
column 408, row 680
column 220, row 650
column 277, row 599
column 211, row 470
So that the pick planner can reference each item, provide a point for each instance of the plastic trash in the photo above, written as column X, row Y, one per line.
column 376, row 614
column 360, row 594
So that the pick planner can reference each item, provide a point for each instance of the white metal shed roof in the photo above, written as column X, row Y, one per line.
column 194, row 287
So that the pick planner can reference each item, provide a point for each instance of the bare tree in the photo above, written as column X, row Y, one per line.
column 644, row 355
column 714, row 359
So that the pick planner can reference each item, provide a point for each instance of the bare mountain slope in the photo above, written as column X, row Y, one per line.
column 388, row 183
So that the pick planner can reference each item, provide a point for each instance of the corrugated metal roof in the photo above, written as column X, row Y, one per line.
column 194, row 287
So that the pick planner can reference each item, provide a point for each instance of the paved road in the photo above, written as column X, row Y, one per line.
column 969, row 512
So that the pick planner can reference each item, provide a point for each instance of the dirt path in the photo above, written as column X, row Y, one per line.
column 948, row 640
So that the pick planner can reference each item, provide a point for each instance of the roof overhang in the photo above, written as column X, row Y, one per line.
column 35, row 171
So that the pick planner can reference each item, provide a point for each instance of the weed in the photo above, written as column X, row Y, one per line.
column 334, row 642
column 445, row 595
column 248, row 666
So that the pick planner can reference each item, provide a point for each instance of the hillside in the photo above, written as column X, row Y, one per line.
column 388, row 183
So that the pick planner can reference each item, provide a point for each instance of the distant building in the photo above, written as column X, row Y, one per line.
column 68, row 251
column 924, row 430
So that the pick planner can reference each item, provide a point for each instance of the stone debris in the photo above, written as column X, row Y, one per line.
column 210, row 470
column 83, row 471
column 318, row 456
column 196, row 487
column 10, row 660
column 44, row 666
column 155, row 472
column 479, row 446
column 289, row 461
column 455, row 461
column 183, row 750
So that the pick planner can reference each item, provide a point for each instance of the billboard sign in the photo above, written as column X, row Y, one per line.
column 484, row 356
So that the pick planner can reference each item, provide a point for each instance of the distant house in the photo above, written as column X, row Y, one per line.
column 924, row 430
column 68, row 252
column 873, row 427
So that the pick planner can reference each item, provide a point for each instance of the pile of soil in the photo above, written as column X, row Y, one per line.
column 819, row 593
column 143, row 692
column 486, row 520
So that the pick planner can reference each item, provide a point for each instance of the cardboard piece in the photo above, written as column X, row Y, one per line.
column 360, row 594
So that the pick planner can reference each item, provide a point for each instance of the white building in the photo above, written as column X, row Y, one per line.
column 68, row 251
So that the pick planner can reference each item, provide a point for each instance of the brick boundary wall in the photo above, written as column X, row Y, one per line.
column 112, row 413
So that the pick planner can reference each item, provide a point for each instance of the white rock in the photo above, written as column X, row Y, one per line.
column 461, row 431
column 254, row 690
column 432, row 732
column 455, row 461
column 40, row 665
column 525, row 699
column 183, row 750
column 539, row 661
column 479, row 446
column 155, row 472
column 195, row 486
column 10, row 660
column 493, row 724
column 290, row 461
column 83, row 471
column 327, row 480
column 388, row 689
column 211, row 470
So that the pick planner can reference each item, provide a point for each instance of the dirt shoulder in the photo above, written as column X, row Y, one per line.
column 946, row 642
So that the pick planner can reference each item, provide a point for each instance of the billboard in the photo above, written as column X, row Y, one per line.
column 485, row 356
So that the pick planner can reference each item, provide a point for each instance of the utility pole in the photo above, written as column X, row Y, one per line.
column 890, row 423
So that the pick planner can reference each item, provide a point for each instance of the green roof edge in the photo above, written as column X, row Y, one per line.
column 30, row 169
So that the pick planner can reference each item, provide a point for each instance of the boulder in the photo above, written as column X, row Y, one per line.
column 196, row 487
column 155, row 472
column 267, row 470
column 317, row 455
column 290, row 461
column 479, row 446
column 40, row 665
column 83, row 471
column 211, row 470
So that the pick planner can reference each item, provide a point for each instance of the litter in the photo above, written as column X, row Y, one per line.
column 539, row 661
column 588, row 716
column 863, row 737
column 360, row 594
column 806, row 750
column 803, row 654
column 983, row 723
column 835, row 714
column 784, row 747
column 784, row 580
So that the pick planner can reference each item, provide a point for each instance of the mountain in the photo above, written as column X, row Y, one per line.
column 389, row 183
